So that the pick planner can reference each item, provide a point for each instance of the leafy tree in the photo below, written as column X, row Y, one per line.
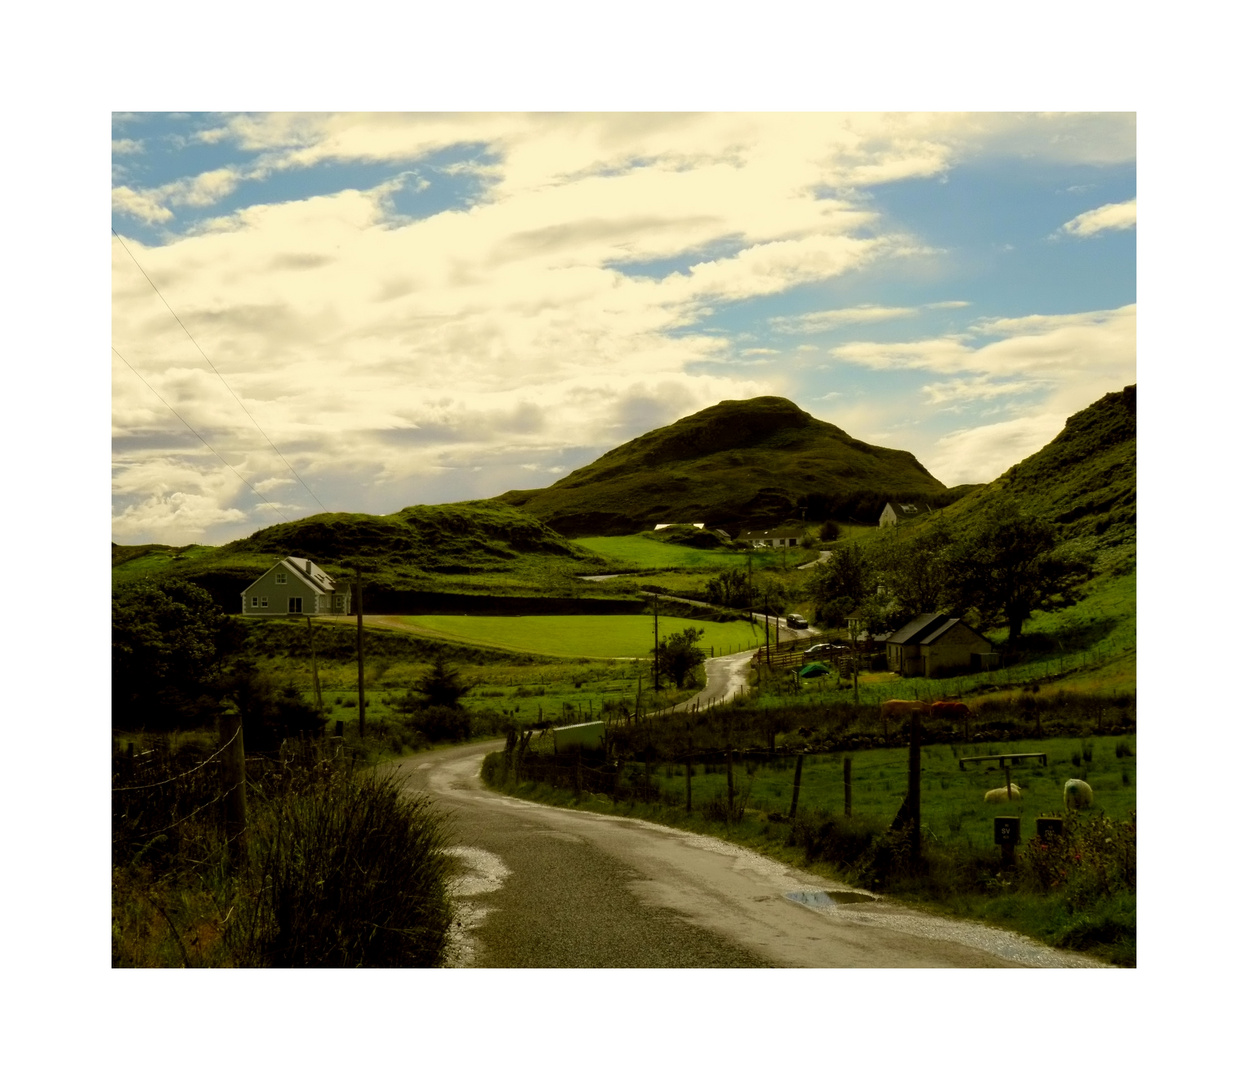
column 169, row 644
column 678, row 654
column 1013, row 564
column 915, row 570
column 270, row 711
column 829, row 530
column 729, row 589
column 841, row 582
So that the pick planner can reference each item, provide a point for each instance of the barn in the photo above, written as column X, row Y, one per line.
column 935, row 645
column 296, row 587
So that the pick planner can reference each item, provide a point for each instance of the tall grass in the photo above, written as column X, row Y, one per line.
column 341, row 869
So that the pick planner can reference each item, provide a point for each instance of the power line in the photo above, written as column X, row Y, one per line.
column 217, row 373
column 199, row 436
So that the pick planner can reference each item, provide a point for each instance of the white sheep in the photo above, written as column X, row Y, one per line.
column 999, row 794
column 1077, row 795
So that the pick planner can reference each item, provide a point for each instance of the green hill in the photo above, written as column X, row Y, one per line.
column 1084, row 480
column 422, row 557
column 738, row 464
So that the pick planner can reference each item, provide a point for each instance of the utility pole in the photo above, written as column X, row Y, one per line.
column 316, row 681
column 656, row 641
column 359, row 644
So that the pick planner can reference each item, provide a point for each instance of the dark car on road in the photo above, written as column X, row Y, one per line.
column 824, row 648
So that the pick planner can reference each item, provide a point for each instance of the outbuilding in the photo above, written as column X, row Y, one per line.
column 935, row 645
column 296, row 587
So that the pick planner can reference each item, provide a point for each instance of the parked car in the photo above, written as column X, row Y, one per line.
column 796, row 622
column 824, row 648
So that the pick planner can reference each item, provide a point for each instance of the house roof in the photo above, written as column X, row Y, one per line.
column 927, row 629
column 917, row 630
column 903, row 510
column 772, row 534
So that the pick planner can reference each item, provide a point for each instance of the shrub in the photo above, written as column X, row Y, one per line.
column 347, row 871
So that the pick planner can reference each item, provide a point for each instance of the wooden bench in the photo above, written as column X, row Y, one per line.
column 1001, row 759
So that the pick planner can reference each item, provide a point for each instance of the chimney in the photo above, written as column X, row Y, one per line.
column 307, row 567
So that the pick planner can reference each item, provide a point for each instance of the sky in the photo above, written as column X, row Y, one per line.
column 365, row 311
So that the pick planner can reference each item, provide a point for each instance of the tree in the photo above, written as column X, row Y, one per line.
column 678, row 654
column 915, row 570
column 841, row 582
column 1013, row 564
column 169, row 643
column 729, row 589
column 442, row 687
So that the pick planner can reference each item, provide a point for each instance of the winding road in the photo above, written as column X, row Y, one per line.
column 540, row 886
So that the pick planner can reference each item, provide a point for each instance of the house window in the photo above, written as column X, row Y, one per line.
column 280, row 578
column 255, row 601
column 264, row 601
column 294, row 605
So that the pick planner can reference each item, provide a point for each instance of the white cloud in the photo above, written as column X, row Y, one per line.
column 564, row 310
column 816, row 321
column 1112, row 216
column 143, row 206
column 979, row 454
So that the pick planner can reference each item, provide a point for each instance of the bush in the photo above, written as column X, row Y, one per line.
column 348, row 871
column 439, row 723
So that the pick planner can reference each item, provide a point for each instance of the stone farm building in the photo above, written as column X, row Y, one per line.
column 935, row 645
column 296, row 587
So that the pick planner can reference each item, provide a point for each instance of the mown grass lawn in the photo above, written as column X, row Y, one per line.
column 583, row 635
column 646, row 553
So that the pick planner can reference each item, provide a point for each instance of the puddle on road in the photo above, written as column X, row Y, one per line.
column 822, row 901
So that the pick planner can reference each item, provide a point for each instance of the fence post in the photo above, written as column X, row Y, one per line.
column 689, row 768
column 849, row 791
column 797, row 786
column 234, row 777
column 916, row 734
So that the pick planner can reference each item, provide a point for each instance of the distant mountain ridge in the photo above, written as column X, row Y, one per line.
column 737, row 464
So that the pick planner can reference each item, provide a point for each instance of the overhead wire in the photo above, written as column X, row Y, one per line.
column 198, row 435
column 218, row 374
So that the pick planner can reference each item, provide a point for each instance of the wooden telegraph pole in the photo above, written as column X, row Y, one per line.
column 359, row 644
column 656, row 641
column 316, row 681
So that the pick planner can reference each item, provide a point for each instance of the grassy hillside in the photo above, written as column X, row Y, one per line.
column 471, row 548
column 737, row 464
column 1084, row 480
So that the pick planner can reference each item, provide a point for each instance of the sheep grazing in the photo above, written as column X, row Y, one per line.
column 1077, row 795
column 999, row 794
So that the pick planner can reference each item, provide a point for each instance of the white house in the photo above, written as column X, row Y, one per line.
column 296, row 587
column 894, row 513
column 772, row 538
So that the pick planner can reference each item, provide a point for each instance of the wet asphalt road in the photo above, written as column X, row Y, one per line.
column 546, row 887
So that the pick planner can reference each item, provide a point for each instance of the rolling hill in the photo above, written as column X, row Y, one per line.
column 738, row 464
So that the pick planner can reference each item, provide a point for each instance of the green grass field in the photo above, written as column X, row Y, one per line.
column 952, row 803
column 649, row 553
column 599, row 636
